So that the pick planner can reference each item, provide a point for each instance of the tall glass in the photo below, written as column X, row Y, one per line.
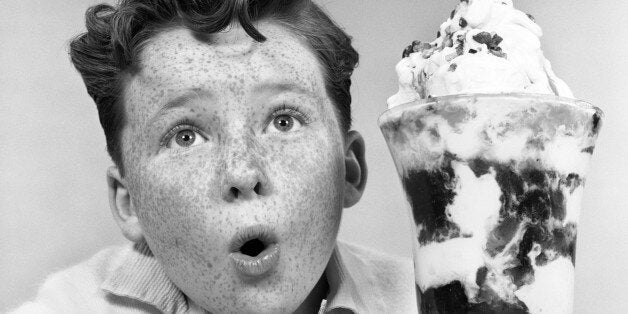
column 495, row 184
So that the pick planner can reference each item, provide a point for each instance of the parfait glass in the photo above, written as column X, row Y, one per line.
column 494, row 183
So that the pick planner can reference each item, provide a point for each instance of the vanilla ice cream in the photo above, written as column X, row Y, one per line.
column 485, row 46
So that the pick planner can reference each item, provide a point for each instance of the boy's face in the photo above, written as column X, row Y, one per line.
column 230, row 141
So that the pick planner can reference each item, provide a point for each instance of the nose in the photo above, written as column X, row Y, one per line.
column 243, row 176
column 244, row 183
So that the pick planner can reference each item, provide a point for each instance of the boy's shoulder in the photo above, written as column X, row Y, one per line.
column 382, row 280
column 385, row 266
column 77, row 289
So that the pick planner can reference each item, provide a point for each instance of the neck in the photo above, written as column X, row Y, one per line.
column 312, row 303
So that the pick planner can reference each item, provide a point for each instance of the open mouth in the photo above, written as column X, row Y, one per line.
column 253, row 247
column 254, row 251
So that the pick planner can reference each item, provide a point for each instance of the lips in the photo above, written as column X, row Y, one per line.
column 254, row 251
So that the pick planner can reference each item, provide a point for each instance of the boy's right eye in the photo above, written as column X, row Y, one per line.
column 183, row 136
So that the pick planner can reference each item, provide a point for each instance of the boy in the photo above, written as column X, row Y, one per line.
column 229, row 126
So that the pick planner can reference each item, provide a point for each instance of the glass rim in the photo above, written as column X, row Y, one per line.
column 423, row 102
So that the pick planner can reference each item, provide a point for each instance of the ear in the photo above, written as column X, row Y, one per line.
column 121, row 206
column 355, row 168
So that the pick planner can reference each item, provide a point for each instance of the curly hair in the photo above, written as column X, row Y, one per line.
column 108, row 53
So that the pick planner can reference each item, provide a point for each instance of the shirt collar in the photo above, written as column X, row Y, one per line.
column 352, row 285
column 141, row 277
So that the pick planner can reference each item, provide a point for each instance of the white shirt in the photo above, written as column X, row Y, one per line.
column 129, row 279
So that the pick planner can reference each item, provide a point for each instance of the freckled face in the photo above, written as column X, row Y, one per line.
column 228, row 135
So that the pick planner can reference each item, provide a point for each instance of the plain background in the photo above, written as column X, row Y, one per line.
column 53, row 197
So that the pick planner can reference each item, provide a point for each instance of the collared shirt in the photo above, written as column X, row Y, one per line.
column 129, row 279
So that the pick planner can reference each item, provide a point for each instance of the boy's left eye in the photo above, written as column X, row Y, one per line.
column 186, row 138
column 284, row 123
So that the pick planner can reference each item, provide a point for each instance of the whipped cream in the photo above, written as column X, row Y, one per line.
column 485, row 46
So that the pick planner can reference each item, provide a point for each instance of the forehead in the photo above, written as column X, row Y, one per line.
column 176, row 58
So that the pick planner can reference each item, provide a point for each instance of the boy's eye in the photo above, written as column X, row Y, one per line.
column 185, row 138
column 284, row 123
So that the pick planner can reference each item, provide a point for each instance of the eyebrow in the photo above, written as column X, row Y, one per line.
column 178, row 101
column 280, row 87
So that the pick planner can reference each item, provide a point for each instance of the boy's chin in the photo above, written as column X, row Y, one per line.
column 273, row 293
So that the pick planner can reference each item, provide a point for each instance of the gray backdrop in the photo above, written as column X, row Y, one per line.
column 53, row 196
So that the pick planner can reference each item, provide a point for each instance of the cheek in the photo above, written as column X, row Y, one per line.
column 177, row 208
column 308, row 177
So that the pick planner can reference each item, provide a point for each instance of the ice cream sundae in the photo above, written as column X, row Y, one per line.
column 492, row 150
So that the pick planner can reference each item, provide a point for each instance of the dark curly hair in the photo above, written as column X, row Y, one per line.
column 108, row 53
